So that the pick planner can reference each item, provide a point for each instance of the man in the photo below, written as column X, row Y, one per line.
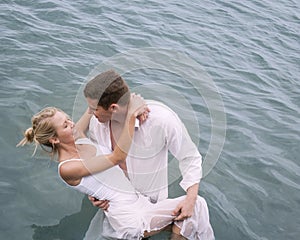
column 146, row 166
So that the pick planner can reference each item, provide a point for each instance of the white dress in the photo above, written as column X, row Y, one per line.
column 131, row 214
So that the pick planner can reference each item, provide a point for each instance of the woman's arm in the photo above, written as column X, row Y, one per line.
column 82, row 125
column 103, row 162
column 75, row 170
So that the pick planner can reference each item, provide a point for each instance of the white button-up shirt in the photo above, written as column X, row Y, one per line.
column 147, row 160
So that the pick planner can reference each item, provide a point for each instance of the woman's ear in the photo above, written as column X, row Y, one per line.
column 54, row 140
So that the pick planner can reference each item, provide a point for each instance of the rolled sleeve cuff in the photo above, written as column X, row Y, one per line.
column 190, row 179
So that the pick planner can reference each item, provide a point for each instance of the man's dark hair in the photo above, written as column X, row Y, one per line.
column 108, row 88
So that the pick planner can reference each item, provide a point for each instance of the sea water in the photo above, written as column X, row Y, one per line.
column 230, row 69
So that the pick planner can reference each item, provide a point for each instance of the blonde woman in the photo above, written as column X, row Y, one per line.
column 94, row 170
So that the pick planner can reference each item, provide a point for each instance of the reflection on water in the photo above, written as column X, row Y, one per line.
column 71, row 227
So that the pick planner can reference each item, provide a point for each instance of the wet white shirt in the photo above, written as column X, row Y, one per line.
column 147, row 161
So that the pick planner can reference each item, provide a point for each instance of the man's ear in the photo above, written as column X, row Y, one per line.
column 113, row 107
column 54, row 140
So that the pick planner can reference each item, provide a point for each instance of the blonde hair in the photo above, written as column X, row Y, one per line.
column 41, row 131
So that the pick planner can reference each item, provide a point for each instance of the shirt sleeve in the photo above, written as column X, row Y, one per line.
column 184, row 150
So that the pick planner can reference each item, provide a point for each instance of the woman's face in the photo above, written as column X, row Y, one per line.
column 64, row 127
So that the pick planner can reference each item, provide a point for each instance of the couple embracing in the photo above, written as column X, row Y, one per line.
column 122, row 162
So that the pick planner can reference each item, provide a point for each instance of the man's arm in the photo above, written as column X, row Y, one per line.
column 185, row 208
column 103, row 204
column 190, row 164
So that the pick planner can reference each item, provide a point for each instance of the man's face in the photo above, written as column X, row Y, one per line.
column 99, row 112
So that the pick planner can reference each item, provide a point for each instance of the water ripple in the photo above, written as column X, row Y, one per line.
column 250, row 48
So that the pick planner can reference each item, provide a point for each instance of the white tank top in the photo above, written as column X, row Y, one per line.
column 111, row 184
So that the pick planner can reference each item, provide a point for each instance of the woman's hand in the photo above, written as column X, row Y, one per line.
column 143, row 117
column 138, row 107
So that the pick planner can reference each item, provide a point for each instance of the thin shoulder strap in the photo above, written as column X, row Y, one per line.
column 83, row 141
column 69, row 160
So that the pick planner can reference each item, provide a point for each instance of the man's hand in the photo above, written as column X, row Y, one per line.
column 103, row 204
column 185, row 208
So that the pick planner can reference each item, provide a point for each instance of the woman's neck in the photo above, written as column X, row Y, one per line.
column 67, row 152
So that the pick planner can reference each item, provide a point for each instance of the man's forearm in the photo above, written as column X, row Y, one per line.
column 192, row 192
column 186, row 207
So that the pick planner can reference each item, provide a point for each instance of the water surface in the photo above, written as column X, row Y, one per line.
column 250, row 49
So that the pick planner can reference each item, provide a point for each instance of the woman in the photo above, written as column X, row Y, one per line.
column 82, row 165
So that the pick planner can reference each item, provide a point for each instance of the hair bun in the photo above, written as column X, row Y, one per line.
column 29, row 134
